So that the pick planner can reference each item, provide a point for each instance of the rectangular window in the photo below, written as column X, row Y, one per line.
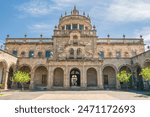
column 118, row 54
column 68, row 27
column 31, row 54
column 101, row 55
column 15, row 53
column 74, row 26
column 109, row 54
column 48, row 54
column 81, row 27
column 39, row 54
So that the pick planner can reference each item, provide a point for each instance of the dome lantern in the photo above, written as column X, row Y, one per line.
column 75, row 11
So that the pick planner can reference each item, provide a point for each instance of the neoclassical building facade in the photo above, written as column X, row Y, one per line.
column 75, row 57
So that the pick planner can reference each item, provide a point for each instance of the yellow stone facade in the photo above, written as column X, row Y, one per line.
column 75, row 57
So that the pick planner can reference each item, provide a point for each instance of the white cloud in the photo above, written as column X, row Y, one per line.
column 129, row 10
column 36, row 7
column 44, row 7
column 40, row 28
column 145, row 31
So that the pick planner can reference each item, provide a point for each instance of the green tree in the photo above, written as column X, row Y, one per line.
column 146, row 75
column 21, row 77
column 124, row 77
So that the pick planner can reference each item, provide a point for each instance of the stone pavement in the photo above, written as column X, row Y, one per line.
column 74, row 95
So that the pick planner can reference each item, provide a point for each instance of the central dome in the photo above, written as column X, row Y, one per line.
column 75, row 21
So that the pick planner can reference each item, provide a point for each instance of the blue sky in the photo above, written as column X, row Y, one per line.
column 114, row 17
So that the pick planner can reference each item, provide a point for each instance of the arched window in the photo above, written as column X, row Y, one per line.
column 126, row 54
column 71, row 51
column 74, row 26
column 23, row 54
column 15, row 52
column 31, row 54
column 48, row 54
column 101, row 55
column 118, row 54
column 75, row 40
column 79, row 51
column 39, row 54
column 68, row 27
column 109, row 54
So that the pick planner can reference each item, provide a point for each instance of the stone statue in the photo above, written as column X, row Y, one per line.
column 74, row 80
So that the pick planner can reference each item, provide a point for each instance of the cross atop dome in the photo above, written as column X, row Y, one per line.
column 75, row 11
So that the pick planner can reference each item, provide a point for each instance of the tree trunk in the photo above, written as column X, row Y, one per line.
column 22, row 84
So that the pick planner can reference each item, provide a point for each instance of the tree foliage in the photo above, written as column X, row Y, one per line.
column 1, row 86
column 21, row 77
column 145, row 73
column 123, row 76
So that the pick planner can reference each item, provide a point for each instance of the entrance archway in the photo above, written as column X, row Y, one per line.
column 128, row 70
column 58, row 77
column 109, row 77
column 75, row 77
column 40, row 76
column 139, row 79
column 26, row 69
column 91, row 77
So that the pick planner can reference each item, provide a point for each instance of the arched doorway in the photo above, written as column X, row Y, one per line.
column 75, row 77
column 139, row 79
column 91, row 77
column 10, row 76
column 109, row 77
column 58, row 77
column 128, row 70
column 26, row 69
column 40, row 76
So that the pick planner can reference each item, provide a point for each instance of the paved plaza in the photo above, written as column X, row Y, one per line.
column 75, row 95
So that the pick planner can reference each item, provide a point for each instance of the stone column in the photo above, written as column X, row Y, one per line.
column 75, row 53
column 6, row 79
column 71, row 26
column 100, row 78
column 81, row 78
column 84, row 78
column 49, row 78
column 66, row 78
column 31, row 87
column 117, row 84
column 78, row 27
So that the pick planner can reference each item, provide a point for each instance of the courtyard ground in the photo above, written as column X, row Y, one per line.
column 75, row 95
